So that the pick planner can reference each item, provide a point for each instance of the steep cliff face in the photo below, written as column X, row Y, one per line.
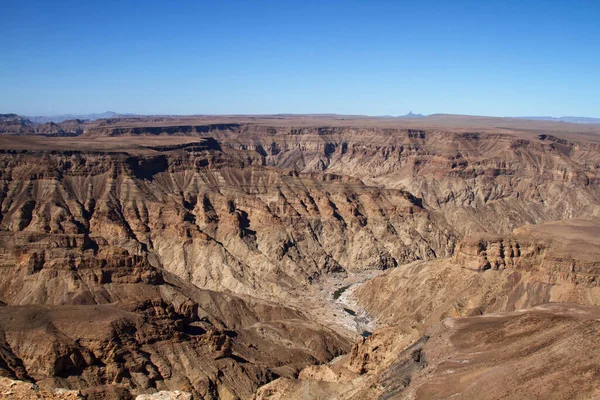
column 481, row 182
column 218, row 224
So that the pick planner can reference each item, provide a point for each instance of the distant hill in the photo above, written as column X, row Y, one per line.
column 16, row 125
column 15, row 119
column 13, row 124
column 65, row 117
column 573, row 120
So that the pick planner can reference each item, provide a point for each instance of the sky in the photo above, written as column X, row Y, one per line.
column 484, row 57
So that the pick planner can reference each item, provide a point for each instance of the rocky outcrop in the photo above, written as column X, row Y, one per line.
column 20, row 390
column 537, row 264
column 166, row 395
column 555, row 253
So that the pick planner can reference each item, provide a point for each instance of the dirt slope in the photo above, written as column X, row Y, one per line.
column 549, row 352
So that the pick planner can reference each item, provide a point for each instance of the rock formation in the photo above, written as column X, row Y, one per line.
column 537, row 264
column 145, row 256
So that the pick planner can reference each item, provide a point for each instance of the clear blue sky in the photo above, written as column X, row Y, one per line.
column 481, row 57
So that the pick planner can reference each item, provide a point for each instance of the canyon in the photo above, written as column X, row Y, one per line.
column 276, row 257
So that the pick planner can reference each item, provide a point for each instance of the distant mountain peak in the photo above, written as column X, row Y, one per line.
column 412, row 115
